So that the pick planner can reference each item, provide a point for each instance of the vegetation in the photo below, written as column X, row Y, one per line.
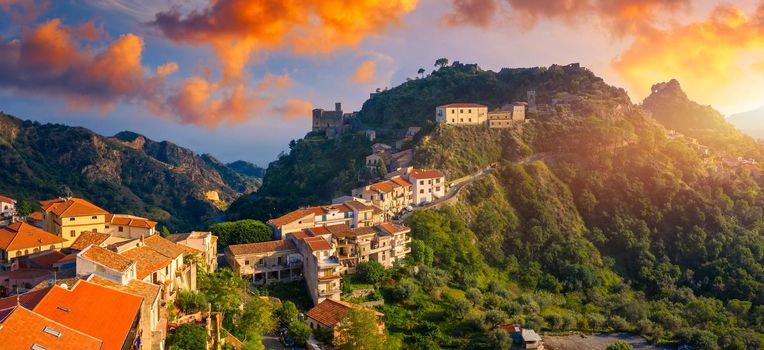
column 240, row 232
column 619, row 345
column 359, row 330
column 191, row 302
column 188, row 337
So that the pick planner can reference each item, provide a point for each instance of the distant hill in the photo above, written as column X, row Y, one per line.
column 751, row 122
column 124, row 173
column 247, row 169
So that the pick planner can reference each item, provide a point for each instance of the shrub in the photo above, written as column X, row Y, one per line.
column 299, row 332
column 188, row 337
column 190, row 302
column 371, row 272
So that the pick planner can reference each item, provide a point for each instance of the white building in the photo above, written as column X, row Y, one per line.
column 428, row 185
column 461, row 114
column 7, row 207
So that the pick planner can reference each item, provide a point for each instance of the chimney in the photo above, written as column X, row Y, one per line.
column 338, row 106
column 142, row 239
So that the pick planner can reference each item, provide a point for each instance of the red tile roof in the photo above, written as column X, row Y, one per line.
column 21, row 235
column 166, row 248
column 458, row 105
column 401, row 181
column 262, row 247
column 393, row 228
column 317, row 243
column 36, row 216
column 426, row 174
column 107, row 258
column 328, row 229
column 66, row 207
column 329, row 312
column 290, row 217
column 23, row 329
column 5, row 199
column 148, row 291
column 129, row 220
column 101, row 312
column 87, row 238
column 147, row 261
column 383, row 186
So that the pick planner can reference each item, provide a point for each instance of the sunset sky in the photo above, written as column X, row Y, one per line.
column 238, row 78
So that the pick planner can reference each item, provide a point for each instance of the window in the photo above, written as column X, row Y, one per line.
column 470, row 120
column 52, row 246
column 36, row 250
column 71, row 219
column 246, row 262
column 72, row 234
column 421, row 191
column 421, row 182
column 107, row 227
column 461, row 111
column 429, row 182
column 26, row 251
column 453, row 111
column 94, row 230
column 18, row 253
column 461, row 120
column 120, row 229
column 94, row 217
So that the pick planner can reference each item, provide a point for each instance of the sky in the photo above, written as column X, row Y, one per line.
column 238, row 78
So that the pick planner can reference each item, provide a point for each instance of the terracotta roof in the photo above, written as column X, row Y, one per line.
column 23, row 329
column 36, row 216
column 180, row 237
column 301, row 234
column 148, row 291
column 262, row 247
column 426, row 174
column 20, row 235
column 87, row 238
column 64, row 207
column 317, row 243
column 357, row 205
column 5, row 199
column 129, row 220
column 326, row 209
column 47, row 259
column 147, row 260
column 400, row 181
column 92, row 309
column 360, row 231
column 383, row 186
column 393, row 228
column 290, row 217
column 329, row 312
column 165, row 247
column 328, row 229
column 106, row 258
column 458, row 105
column 28, row 300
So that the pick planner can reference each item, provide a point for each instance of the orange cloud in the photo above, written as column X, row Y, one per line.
column 471, row 12
column 366, row 72
column 167, row 69
column 236, row 29
column 706, row 56
column 294, row 109
column 272, row 81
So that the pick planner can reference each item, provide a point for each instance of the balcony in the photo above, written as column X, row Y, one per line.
column 329, row 261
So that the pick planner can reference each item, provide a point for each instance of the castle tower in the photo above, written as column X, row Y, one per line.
column 532, row 101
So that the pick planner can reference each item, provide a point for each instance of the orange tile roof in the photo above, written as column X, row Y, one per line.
column 36, row 216
column 326, row 209
column 360, row 231
column 458, row 105
column 101, row 312
column 20, row 235
column 357, row 205
column 47, row 259
column 393, row 228
column 5, row 199
column 329, row 312
column 87, row 238
column 23, row 329
column 66, row 207
column 401, row 181
column 301, row 234
column 28, row 300
column 262, row 247
column 317, row 243
column 426, row 174
column 165, row 247
column 129, row 220
column 290, row 217
column 328, row 229
column 147, row 260
column 106, row 258
column 148, row 291
column 383, row 186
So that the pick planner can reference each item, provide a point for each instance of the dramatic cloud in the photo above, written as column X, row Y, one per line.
column 238, row 28
column 709, row 57
column 271, row 81
column 49, row 59
column 471, row 12
column 23, row 10
column 167, row 69
column 366, row 72
column 294, row 109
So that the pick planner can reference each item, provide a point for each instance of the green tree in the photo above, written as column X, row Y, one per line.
column 371, row 271
column 441, row 62
column 24, row 208
column 287, row 313
column 382, row 168
column 421, row 254
column 256, row 319
column 405, row 290
column 500, row 339
column 188, row 337
column 242, row 231
column 191, row 301
column 421, row 72
column 359, row 330
column 224, row 289
column 165, row 231
column 299, row 332
column 619, row 345
column 461, row 307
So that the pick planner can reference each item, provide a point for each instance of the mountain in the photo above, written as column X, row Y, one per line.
column 597, row 218
column 247, row 169
column 751, row 122
column 125, row 173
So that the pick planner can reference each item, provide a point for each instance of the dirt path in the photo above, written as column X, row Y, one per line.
column 598, row 341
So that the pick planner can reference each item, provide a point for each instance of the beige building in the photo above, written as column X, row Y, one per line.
column 331, row 214
column 129, row 226
column 321, row 268
column 461, row 114
column 68, row 217
column 508, row 116
column 204, row 242
column 266, row 262
column 428, row 185
column 389, row 195
column 22, row 239
column 386, row 243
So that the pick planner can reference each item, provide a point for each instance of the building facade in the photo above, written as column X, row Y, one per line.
column 68, row 217
column 462, row 114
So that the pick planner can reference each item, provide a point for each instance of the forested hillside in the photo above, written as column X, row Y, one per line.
column 125, row 173
column 595, row 219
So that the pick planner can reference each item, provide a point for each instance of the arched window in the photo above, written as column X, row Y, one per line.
column 36, row 250
column 18, row 253
column 26, row 251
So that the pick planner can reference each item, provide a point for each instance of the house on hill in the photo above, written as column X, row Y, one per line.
column 330, row 313
column 461, row 114
column 69, row 217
